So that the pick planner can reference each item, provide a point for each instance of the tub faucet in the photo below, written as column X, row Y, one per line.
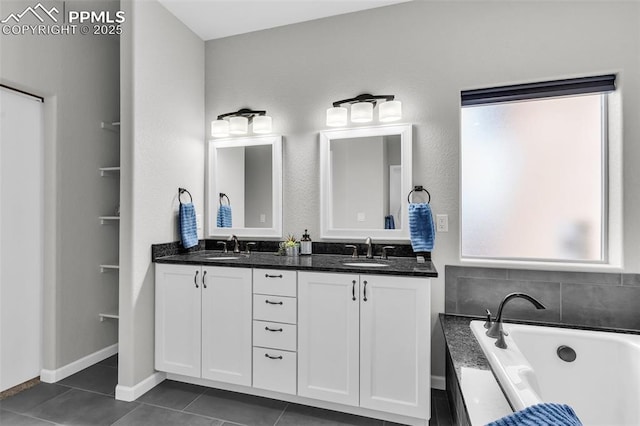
column 236, row 243
column 369, row 248
column 495, row 330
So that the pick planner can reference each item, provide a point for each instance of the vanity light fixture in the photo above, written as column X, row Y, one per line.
column 362, row 110
column 237, row 123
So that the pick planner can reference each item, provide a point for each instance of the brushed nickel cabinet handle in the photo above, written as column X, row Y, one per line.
column 272, row 303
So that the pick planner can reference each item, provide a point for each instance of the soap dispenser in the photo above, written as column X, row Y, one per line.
column 305, row 244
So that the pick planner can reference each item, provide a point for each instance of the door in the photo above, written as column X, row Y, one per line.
column 21, row 231
column 328, row 342
column 178, row 306
column 394, row 345
column 226, row 325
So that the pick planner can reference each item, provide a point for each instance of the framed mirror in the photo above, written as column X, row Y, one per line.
column 244, row 187
column 365, row 179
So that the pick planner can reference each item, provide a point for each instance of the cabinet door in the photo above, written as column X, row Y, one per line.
column 177, row 343
column 394, row 345
column 328, row 347
column 226, row 325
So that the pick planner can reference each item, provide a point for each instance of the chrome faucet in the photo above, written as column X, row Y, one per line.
column 495, row 329
column 369, row 248
column 236, row 243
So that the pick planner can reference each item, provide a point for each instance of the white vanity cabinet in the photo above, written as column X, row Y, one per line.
column 203, row 322
column 364, row 341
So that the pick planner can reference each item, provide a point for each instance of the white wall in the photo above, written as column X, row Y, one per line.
column 425, row 53
column 78, row 76
column 162, row 149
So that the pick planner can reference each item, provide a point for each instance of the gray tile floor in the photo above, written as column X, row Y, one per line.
column 86, row 399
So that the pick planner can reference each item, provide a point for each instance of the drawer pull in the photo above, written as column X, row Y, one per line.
column 273, row 357
column 195, row 279
column 272, row 276
column 273, row 329
column 204, row 275
column 272, row 303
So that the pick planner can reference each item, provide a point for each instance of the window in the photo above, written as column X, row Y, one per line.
column 534, row 171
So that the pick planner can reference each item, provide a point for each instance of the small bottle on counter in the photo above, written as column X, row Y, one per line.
column 305, row 244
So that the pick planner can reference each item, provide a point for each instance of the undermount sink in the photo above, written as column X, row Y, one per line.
column 224, row 258
column 366, row 264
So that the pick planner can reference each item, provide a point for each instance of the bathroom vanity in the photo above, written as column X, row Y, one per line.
column 315, row 330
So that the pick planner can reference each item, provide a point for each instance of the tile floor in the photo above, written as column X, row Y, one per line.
column 87, row 399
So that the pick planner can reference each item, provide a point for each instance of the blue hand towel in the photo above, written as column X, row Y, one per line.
column 188, row 227
column 389, row 222
column 421, row 229
column 547, row 414
column 224, row 217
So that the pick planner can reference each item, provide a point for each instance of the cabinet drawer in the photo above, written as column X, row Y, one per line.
column 274, row 308
column 274, row 335
column 274, row 370
column 274, row 281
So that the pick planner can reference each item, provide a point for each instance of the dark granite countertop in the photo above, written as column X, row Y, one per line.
column 464, row 348
column 406, row 266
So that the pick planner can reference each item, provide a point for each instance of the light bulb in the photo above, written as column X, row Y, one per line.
column 219, row 128
column 336, row 117
column 362, row 112
column 390, row 111
column 238, row 125
column 262, row 124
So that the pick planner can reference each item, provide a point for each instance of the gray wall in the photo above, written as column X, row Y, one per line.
column 425, row 53
column 79, row 77
column 162, row 149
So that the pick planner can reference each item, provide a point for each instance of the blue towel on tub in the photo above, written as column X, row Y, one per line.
column 188, row 226
column 224, row 217
column 421, row 229
column 547, row 414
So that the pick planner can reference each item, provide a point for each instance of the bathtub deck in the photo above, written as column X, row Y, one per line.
column 472, row 388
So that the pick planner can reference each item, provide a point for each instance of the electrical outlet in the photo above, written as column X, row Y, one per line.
column 361, row 217
column 199, row 222
column 442, row 223
column 263, row 218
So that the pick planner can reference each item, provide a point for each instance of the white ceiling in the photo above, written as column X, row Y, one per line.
column 212, row 19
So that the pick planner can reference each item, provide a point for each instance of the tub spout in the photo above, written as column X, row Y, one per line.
column 496, row 330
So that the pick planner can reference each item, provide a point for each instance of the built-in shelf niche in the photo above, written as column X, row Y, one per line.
column 111, row 267
column 108, row 268
column 106, row 171
column 113, row 126
column 108, row 315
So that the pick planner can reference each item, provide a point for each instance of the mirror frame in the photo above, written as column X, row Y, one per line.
column 275, row 231
column 406, row 142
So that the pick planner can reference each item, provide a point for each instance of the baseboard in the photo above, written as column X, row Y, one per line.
column 131, row 393
column 52, row 376
column 439, row 382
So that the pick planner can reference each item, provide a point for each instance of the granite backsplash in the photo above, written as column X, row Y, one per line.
column 610, row 300
column 318, row 247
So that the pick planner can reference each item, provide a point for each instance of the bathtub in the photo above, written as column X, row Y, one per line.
column 602, row 384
